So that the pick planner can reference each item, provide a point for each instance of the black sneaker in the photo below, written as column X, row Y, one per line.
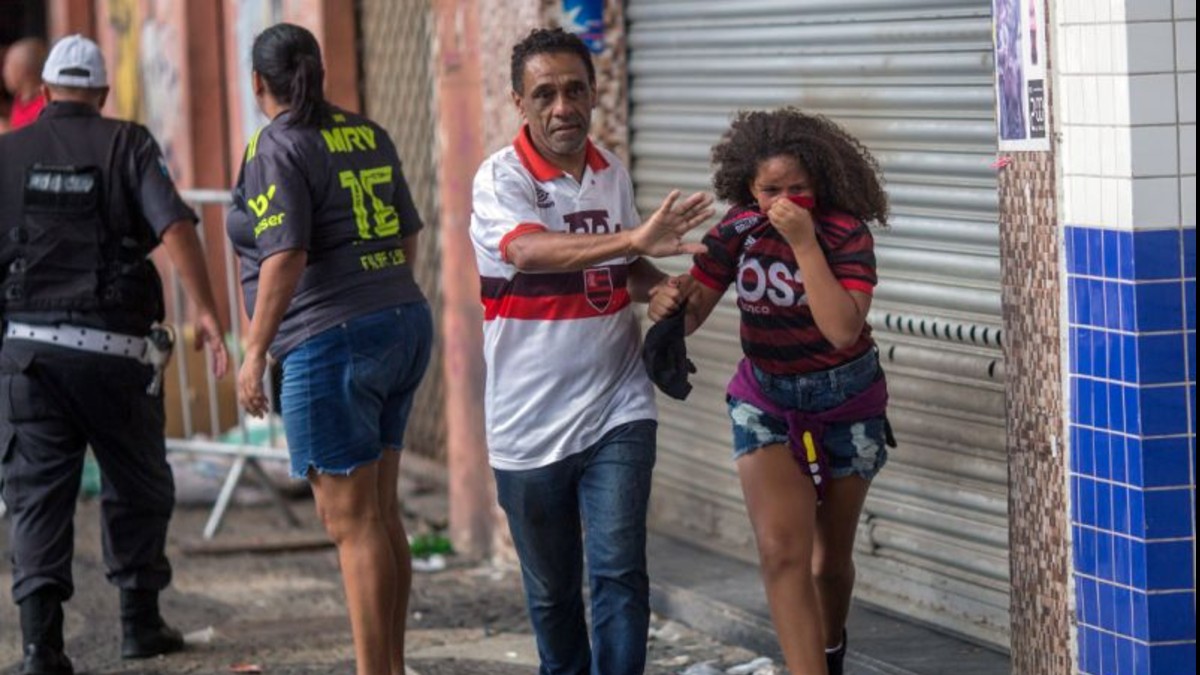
column 835, row 660
column 43, row 660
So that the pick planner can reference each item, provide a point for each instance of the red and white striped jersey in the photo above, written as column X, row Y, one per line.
column 562, row 348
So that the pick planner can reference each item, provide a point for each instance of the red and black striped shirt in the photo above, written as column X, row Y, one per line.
column 778, row 332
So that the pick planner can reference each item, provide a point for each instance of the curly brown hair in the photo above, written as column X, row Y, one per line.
column 846, row 177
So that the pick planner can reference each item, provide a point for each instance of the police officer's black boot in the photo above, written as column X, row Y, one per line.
column 143, row 631
column 42, row 632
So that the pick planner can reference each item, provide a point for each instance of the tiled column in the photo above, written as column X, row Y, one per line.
column 1128, row 106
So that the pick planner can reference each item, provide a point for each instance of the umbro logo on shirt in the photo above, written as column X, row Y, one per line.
column 543, row 199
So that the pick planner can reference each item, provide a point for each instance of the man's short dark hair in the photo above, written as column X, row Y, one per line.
column 548, row 41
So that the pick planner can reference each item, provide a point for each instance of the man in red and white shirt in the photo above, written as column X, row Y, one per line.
column 570, row 410
column 22, row 74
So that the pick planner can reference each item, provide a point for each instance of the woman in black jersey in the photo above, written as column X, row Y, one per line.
column 326, row 233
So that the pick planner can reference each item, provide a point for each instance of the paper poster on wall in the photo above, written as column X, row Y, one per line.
column 1020, row 46
column 585, row 18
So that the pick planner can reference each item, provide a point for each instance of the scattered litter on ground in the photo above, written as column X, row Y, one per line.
column 433, row 563
column 249, row 668
column 668, row 632
column 200, row 637
column 673, row 661
column 703, row 668
column 758, row 666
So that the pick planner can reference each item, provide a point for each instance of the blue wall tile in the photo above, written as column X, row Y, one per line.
column 1089, row 651
column 1105, row 569
column 1124, row 661
column 1168, row 513
column 1112, row 253
column 1165, row 462
column 1133, row 456
column 1172, row 617
column 1157, row 254
column 1189, row 304
column 1164, row 410
column 1189, row 252
column 1087, row 502
column 1139, row 574
column 1108, row 607
column 1133, row 411
column 1075, row 240
column 1085, row 454
column 1169, row 565
column 1137, row 513
column 1161, row 358
column 1128, row 293
column 1100, row 413
column 1108, row 654
column 1141, row 616
column 1125, row 262
column 1104, row 509
column 1101, row 317
column 1099, row 358
column 1114, row 348
column 1095, row 252
column 1084, row 544
column 1190, row 341
column 1179, row 658
column 1159, row 306
column 1120, row 525
column 1112, row 305
column 1141, row 659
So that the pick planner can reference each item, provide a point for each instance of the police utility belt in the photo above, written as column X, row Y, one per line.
column 153, row 349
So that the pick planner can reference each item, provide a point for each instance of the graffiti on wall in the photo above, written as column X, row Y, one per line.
column 146, row 78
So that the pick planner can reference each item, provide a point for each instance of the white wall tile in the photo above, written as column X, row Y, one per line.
column 1093, row 165
column 1154, row 151
column 1185, row 45
column 1120, row 48
column 1187, row 149
column 1110, row 201
column 1116, row 9
column 1185, row 9
column 1067, row 150
column 1148, row 10
column 1187, row 194
column 1155, row 203
column 1125, row 205
column 1106, row 93
column 1091, row 101
column 1091, row 51
column 1152, row 99
column 1094, row 208
column 1101, row 12
column 1124, row 159
column 1108, row 151
column 1151, row 47
column 1119, row 104
column 1187, row 97
column 1075, row 49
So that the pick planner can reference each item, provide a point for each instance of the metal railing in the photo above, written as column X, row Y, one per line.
column 235, row 443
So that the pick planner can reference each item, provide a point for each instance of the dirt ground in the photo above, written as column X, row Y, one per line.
column 283, row 611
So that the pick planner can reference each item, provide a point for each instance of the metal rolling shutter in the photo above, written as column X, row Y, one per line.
column 913, row 80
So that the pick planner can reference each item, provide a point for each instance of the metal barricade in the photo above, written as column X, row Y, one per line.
column 217, row 441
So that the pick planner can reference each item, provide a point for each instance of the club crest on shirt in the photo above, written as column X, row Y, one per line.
column 543, row 199
column 598, row 287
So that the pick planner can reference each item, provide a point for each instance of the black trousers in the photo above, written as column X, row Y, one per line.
column 54, row 402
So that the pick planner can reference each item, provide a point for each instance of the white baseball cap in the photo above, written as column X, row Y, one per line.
column 75, row 61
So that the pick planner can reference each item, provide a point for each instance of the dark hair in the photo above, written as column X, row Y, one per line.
column 289, row 59
column 845, row 175
column 548, row 41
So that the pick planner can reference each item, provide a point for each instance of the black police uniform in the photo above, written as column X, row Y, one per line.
column 83, row 201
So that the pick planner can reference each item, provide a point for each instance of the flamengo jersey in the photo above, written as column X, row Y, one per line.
column 562, row 348
column 779, row 334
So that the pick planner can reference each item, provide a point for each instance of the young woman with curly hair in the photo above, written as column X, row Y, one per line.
column 808, row 400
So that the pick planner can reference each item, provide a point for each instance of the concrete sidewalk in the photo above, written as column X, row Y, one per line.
column 723, row 598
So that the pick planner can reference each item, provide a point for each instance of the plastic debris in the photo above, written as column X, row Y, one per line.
column 433, row 563
column 250, row 668
column 200, row 637
column 758, row 666
column 427, row 545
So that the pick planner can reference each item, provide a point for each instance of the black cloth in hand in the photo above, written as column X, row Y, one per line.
column 665, row 356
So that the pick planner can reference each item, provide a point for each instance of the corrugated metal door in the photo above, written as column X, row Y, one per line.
column 912, row 79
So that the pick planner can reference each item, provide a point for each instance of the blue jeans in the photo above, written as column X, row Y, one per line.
column 347, row 391
column 603, row 492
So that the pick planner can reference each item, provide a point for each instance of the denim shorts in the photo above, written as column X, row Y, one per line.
column 850, row 448
column 347, row 391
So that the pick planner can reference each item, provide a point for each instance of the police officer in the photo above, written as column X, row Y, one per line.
column 83, row 201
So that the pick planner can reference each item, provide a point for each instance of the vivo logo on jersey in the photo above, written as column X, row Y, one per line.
column 590, row 222
column 776, row 284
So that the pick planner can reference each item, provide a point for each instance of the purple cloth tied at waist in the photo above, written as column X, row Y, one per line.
column 806, row 430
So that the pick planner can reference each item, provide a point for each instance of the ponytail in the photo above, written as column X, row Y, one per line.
column 289, row 60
